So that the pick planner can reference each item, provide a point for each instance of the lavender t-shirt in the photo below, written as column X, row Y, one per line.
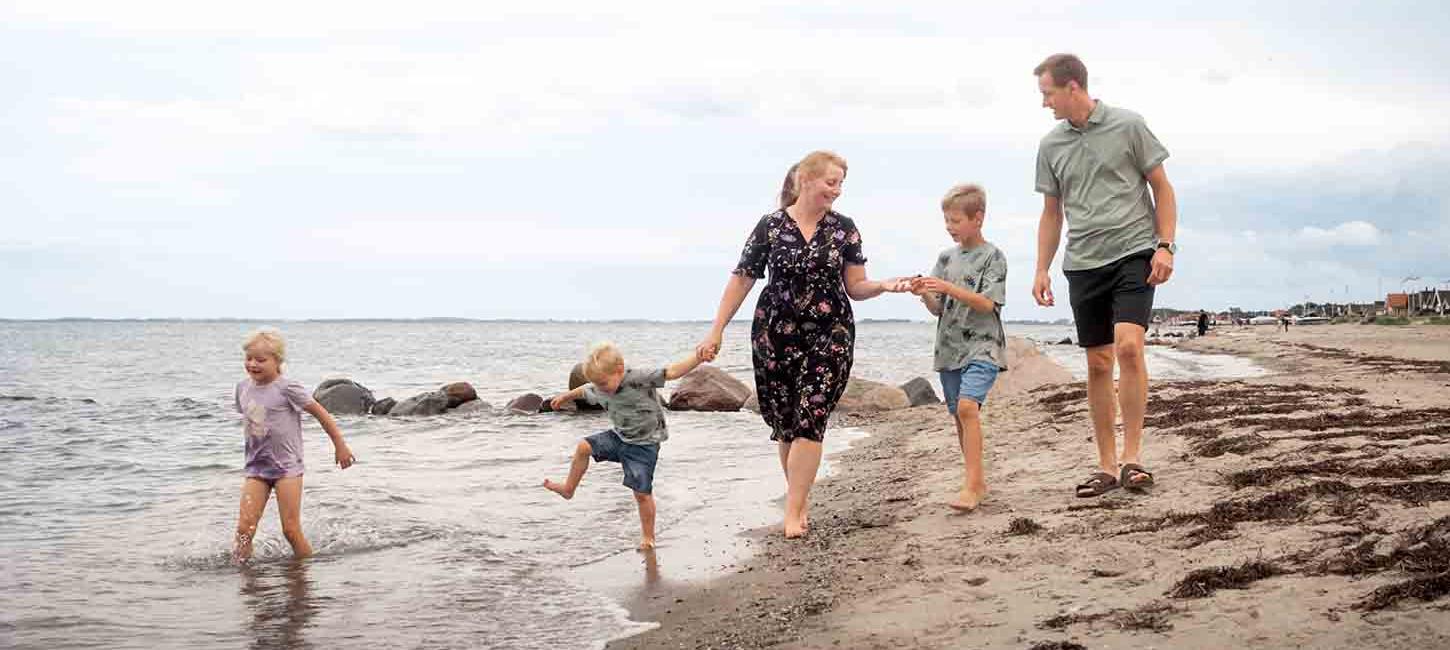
column 272, row 424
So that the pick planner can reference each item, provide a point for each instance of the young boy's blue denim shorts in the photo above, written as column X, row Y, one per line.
column 972, row 382
column 638, row 460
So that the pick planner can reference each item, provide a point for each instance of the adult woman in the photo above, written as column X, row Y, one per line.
column 803, row 335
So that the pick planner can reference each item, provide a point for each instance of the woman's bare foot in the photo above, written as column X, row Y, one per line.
column 559, row 489
column 969, row 498
column 646, row 544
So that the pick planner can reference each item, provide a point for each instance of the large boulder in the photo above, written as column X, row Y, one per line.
column 459, row 392
column 526, row 404
column 344, row 397
column 384, row 406
column 864, row 396
column 577, row 379
column 919, row 391
column 752, row 403
column 432, row 402
column 708, row 388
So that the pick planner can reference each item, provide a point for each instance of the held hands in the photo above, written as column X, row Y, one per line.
column 896, row 285
column 1162, row 267
column 708, row 347
column 342, row 455
column 1042, row 289
column 922, row 285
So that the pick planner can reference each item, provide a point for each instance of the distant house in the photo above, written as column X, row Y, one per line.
column 1397, row 304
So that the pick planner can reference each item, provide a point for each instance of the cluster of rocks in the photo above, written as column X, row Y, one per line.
column 347, row 397
column 706, row 388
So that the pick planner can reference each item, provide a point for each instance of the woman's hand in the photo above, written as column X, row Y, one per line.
column 342, row 454
column 708, row 347
column 896, row 285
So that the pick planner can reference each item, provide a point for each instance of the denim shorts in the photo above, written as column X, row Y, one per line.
column 970, row 382
column 638, row 461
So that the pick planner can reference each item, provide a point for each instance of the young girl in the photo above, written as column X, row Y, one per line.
column 271, row 407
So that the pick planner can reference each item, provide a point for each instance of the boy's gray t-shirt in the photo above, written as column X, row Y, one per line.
column 1100, row 174
column 634, row 409
column 964, row 335
column 272, row 422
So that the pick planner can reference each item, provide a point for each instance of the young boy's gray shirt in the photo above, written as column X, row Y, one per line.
column 634, row 409
column 964, row 335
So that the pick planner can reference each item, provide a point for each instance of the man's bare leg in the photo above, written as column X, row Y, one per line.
column 1102, row 405
column 1132, row 388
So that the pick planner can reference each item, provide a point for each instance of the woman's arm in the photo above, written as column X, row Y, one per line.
column 736, row 289
column 860, row 288
column 972, row 299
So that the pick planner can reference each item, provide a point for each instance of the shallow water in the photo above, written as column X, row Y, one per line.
column 120, row 464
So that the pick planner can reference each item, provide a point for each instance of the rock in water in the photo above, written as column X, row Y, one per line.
column 864, row 396
column 526, row 404
column 471, row 406
column 432, row 402
column 708, row 388
column 384, row 405
column 459, row 392
column 344, row 397
column 919, row 392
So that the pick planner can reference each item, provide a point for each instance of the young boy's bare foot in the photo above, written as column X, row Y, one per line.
column 646, row 544
column 559, row 489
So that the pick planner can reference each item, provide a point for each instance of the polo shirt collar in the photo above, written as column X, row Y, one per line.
column 1099, row 114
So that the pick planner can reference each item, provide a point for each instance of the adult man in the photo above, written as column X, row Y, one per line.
column 1099, row 166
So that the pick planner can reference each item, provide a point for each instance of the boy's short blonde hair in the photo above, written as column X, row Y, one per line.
column 270, row 339
column 603, row 359
column 969, row 199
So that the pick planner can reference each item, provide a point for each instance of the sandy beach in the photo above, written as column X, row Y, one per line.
column 1309, row 508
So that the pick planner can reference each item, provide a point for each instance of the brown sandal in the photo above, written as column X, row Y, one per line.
column 1097, row 485
column 1133, row 471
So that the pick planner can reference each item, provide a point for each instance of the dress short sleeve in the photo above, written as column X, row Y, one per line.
column 756, row 253
column 297, row 395
column 851, row 251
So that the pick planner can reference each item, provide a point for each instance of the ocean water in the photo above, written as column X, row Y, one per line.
column 120, row 467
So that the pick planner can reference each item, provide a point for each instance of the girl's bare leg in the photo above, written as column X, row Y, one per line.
column 254, row 500
column 289, row 509
column 582, row 453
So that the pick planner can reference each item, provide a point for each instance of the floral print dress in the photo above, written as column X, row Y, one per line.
column 803, row 335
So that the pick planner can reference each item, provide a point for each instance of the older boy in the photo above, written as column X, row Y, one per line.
column 966, row 291
column 638, row 426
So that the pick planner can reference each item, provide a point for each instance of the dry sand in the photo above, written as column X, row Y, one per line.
column 1305, row 509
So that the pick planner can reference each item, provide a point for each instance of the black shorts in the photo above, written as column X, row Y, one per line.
column 1105, row 296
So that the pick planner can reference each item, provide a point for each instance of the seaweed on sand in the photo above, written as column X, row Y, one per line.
column 1202, row 583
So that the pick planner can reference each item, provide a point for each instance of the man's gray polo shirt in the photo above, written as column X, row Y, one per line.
column 1100, row 174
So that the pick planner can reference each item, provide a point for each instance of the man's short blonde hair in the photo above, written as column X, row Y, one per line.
column 271, row 340
column 814, row 166
column 968, row 199
column 603, row 359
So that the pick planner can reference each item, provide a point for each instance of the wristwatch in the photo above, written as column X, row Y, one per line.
column 1172, row 247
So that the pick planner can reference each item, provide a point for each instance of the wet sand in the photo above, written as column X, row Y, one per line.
column 1307, row 508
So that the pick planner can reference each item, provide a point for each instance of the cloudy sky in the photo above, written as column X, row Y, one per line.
column 581, row 160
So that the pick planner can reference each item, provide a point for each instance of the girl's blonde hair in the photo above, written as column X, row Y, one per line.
column 271, row 339
column 814, row 166
column 603, row 359
column 969, row 199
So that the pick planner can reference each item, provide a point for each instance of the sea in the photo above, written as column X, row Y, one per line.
column 120, row 475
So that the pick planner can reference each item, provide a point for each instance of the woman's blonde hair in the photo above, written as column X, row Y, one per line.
column 969, row 199
column 814, row 166
column 270, row 339
column 603, row 359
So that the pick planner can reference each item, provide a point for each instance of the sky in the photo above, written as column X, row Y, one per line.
column 585, row 160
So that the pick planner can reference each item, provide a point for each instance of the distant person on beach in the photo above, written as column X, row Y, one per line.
column 803, row 335
column 1284, row 320
column 271, row 406
column 966, row 291
column 637, row 426
column 1202, row 322
column 1103, row 169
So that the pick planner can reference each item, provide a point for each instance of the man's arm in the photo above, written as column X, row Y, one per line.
column 1049, row 233
column 1165, row 223
column 682, row 367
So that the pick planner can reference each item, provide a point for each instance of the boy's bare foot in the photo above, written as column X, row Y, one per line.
column 646, row 544
column 559, row 489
